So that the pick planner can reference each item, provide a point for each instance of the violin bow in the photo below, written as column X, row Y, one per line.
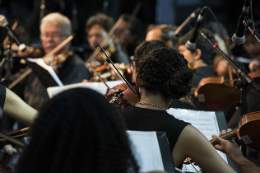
column 12, row 140
column 98, row 75
column 7, row 38
column 93, row 56
column 133, row 15
column 51, row 53
column 108, row 60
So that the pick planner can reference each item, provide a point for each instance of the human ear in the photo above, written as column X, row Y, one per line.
column 197, row 54
column 169, row 43
column 138, row 81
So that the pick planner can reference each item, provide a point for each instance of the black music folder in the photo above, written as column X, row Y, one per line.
column 152, row 151
column 44, row 72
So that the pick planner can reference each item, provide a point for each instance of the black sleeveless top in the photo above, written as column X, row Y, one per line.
column 141, row 119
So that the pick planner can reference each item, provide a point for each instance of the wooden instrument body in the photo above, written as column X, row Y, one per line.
column 121, row 97
column 249, row 129
column 216, row 93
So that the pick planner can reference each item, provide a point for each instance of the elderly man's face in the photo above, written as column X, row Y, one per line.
column 51, row 36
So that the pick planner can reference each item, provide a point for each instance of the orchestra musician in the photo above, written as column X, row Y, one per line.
column 128, row 33
column 54, row 28
column 97, row 27
column 200, row 60
column 163, row 75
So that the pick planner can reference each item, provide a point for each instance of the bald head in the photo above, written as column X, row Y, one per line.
column 154, row 34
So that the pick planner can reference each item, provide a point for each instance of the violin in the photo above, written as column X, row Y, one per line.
column 126, row 71
column 57, row 60
column 217, row 93
column 121, row 96
column 110, row 50
column 29, row 52
column 248, row 132
column 128, row 97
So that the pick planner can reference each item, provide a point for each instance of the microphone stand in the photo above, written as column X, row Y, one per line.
column 248, row 24
column 7, row 59
column 238, row 84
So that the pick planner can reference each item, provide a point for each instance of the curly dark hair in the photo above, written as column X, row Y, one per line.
column 101, row 19
column 208, row 53
column 146, row 47
column 166, row 72
column 78, row 131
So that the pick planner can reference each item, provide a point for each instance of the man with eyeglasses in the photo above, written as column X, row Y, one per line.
column 54, row 28
column 128, row 33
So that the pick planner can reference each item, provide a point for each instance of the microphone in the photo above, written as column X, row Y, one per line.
column 191, row 44
column 185, row 23
column 4, row 23
column 239, row 37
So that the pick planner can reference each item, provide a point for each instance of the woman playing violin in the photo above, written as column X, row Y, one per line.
column 163, row 75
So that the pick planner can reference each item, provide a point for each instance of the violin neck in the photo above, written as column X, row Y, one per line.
column 228, row 135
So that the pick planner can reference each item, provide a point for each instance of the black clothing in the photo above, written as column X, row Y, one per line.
column 200, row 73
column 73, row 70
column 142, row 119
column 2, row 96
column 180, row 104
column 117, row 57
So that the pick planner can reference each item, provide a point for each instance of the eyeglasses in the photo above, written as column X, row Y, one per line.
column 54, row 36
column 98, row 36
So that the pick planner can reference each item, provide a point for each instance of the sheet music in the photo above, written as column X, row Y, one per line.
column 97, row 86
column 146, row 150
column 204, row 121
column 41, row 63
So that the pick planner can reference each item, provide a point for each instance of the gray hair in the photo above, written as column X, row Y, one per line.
column 57, row 19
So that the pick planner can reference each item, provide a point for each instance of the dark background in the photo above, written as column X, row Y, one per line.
column 27, row 12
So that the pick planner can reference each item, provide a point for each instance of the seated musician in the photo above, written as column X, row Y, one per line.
column 97, row 27
column 163, row 75
column 54, row 28
column 200, row 60
column 128, row 33
column 250, row 61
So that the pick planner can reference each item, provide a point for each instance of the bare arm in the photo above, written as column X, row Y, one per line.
column 234, row 153
column 192, row 143
column 16, row 108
